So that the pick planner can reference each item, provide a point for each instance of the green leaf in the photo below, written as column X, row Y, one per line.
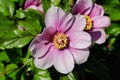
column 110, row 2
column 5, row 25
column 4, row 56
column 114, row 29
column 56, row 2
column 22, row 77
column 13, row 74
column 32, row 27
column 7, row 7
column 112, row 7
column 71, row 2
column 1, row 67
column 66, row 5
column 17, row 38
column 46, row 5
column 116, row 15
column 69, row 76
column 2, row 76
column 10, row 68
column 33, row 15
column 20, row 73
column 21, row 1
column 38, row 73
column 20, row 14
column 42, row 75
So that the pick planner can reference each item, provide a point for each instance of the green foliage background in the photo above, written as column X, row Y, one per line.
column 18, row 28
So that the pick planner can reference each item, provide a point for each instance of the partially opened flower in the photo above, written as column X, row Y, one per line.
column 33, row 4
column 96, row 20
column 62, row 43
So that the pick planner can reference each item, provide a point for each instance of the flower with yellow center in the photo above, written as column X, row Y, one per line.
column 61, row 44
column 89, row 23
column 60, row 40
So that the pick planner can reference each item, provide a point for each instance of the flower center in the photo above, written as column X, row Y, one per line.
column 89, row 23
column 60, row 40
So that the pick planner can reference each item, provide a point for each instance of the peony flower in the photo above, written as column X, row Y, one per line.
column 95, row 18
column 62, row 43
column 33, row 4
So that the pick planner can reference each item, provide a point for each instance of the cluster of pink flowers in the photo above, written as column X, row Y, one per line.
column 66, row 39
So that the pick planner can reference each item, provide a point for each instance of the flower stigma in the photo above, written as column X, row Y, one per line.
column 60, row 41
column 89, row 23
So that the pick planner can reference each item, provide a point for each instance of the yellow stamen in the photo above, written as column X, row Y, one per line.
column 60, row 40
column 89, row 23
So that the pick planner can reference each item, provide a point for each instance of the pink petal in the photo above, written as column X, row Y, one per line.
column 98, row 36
column 82, row 7
column 31, row 2
column 41, row 39
column 46, row 61
column 33, row 46
column 80, row 40
column 39, row 8
column 80, row 55
column 64, row 62
column 97, row 10
column 28, row 3
column 53, row 17
column 101, row 22
column 66, row 23
column 41, row 50
column 46, row 35
column 31, row 7
column 78, row 25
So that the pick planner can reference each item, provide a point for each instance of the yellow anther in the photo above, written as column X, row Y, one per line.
column 89, row 23
column 60, row 40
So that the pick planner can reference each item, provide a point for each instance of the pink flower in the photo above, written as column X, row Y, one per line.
column 62, row 43
column 96, row 20
column 33, row 4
